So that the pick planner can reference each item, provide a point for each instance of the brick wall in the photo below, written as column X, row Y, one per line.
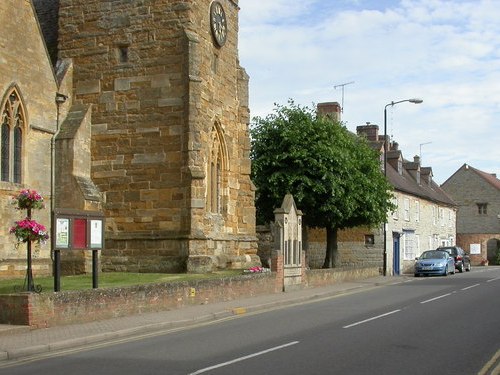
column 51, row 309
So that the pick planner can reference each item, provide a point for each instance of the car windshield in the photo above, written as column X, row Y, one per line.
column 449, row 250
column 433, row 255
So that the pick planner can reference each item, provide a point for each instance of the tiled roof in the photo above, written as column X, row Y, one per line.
column 47, row 12
column 407, row 184
column 488, row 177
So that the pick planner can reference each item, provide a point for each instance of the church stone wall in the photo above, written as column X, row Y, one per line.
column 25, row 65
column 158, row 85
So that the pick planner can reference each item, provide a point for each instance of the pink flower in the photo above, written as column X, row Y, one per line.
column 29, row 230
column 28, row 199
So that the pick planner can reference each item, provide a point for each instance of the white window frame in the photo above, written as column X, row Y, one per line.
column 395, row 213
column 410, row 241
column 441, row 216
column 406, row 204
column 417, row 211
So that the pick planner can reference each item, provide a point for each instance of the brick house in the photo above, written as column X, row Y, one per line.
column 150, row 126
column 425, row 217
column 477, row 194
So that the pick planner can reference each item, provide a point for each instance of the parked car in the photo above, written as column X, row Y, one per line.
column 434, row 262
column 462, row 259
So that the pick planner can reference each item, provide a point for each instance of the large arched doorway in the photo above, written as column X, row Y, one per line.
column 493, row 249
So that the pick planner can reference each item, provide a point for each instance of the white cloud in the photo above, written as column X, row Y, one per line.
column 447, row 52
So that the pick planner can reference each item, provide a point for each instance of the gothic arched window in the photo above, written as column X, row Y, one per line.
column 216, row 166
column 11, row 146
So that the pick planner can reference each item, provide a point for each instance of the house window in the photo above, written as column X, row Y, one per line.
column 434, row 215
column 410, row 245
column 369, row 239
column 11, row 144
column 395, row 213
column 441, row 216
column 482, row 208
column 407, row 209
column 417, row 211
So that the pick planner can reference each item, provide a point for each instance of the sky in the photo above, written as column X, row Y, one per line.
column 366, row 54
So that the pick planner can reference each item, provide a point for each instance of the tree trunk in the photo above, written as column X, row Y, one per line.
column 331, row 248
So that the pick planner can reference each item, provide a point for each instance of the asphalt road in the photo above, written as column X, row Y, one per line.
column 438, row 325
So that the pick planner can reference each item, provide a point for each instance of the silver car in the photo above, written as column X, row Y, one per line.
column 434, row 262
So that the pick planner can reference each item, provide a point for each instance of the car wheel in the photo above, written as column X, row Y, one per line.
column 461, row 268
column 468, row 268
column 453, row 271
column 417, row 275
column 446, row 271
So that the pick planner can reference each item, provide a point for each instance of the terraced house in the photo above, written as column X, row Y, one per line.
column 144, row 107
column 425, row 215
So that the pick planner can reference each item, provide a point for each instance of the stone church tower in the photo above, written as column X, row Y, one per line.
column 169, row 135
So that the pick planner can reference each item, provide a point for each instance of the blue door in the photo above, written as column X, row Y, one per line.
column 396, row 255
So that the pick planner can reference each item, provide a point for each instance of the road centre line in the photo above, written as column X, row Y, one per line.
column 244, row 358
column 435, row 298
column 495, row 279
column 370, row 319
column 470, row 287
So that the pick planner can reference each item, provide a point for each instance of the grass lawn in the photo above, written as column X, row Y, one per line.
column 109, row 280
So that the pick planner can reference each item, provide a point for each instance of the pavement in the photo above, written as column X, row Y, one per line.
column 22, row 342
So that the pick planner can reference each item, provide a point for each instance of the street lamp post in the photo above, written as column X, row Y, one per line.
column 391, row 104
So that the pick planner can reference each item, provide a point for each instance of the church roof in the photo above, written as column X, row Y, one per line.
column 47, row 12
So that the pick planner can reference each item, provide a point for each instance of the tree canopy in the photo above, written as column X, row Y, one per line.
column 333, row 175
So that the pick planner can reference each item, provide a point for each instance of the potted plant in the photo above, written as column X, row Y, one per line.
column 29, row 230
column 28, row 200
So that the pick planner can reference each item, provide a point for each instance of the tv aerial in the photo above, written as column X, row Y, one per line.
column 342, row 85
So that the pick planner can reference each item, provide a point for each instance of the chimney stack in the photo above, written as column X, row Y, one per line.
column 329, row 109
column 369, row 131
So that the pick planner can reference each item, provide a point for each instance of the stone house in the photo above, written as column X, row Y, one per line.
column 425, row 215
column 424, row 219
column 477, row 194
column 144, row 107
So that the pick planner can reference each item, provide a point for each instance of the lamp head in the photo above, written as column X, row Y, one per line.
column 415, row 100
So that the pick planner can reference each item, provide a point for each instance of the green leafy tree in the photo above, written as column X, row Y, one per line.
column 333, row 175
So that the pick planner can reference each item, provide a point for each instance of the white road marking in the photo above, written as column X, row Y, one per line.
column 469, row 287
column 244, row 358
column 435, row 298
column 495, row 279
column 370, row 319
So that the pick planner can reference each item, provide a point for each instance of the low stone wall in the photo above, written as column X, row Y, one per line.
column 324, row 277
column 67, row 307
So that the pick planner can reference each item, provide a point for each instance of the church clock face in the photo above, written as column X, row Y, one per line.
column 218, row 23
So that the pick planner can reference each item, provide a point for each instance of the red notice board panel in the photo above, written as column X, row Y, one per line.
column 79, row 233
